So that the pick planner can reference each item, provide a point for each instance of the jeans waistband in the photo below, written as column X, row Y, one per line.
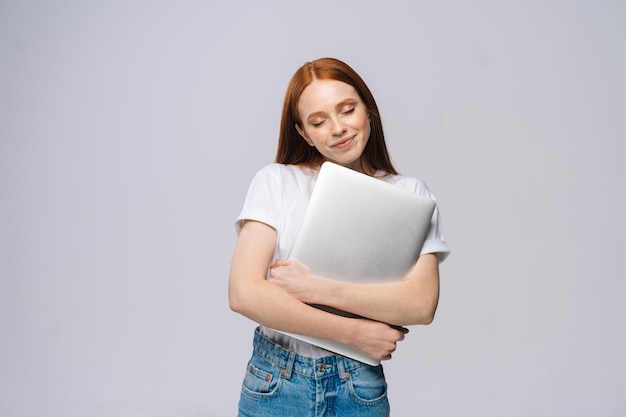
column 292, row 362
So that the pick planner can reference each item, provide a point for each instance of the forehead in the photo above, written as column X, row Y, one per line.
column 324, row 95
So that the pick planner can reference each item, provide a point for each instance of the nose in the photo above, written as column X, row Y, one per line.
column 337, row 127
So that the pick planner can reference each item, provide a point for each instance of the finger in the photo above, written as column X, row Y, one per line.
column 274, row 273
column 277, row 262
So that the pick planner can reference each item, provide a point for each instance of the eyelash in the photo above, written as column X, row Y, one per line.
column 346, row 112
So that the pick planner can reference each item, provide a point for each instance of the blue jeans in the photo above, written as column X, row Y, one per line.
column 282, row 383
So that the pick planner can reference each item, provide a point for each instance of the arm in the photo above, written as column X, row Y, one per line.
column 251, row 295
column 410, row 301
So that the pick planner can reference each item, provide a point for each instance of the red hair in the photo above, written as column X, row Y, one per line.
column 293, row 149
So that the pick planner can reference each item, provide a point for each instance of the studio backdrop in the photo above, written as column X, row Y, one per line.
column 129, row 133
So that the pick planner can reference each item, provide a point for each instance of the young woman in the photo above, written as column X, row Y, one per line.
column 329, row 114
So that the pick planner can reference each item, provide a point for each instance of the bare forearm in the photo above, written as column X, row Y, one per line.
column 397, row 303
column 263, row 302
column 411, row 301
column 268, row 305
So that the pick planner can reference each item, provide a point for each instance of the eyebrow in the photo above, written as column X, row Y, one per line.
column 337, row 107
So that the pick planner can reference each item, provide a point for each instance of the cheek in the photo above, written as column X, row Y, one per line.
column 367, row 127
column 315, row 137
column 363, row 120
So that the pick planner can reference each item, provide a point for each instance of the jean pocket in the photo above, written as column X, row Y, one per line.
column 367, row 385
column 262, row 379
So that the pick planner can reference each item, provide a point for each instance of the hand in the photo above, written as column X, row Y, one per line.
column 295, row 279
column 375, row 339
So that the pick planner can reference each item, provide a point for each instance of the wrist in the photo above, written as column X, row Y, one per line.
column 325, row 292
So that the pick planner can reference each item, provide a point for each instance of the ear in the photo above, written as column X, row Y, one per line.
column 304, row 136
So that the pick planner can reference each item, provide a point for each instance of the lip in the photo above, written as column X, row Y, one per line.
column 344, row 143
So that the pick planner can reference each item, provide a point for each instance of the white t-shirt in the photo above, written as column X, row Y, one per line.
column 278, row 196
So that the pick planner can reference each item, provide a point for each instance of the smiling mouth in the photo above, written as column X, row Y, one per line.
column 344, row 143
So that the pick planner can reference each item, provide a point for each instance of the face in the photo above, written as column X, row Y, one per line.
column 335, row 121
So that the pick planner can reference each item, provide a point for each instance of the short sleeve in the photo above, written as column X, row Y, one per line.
column 260, row 201
column 435, row 241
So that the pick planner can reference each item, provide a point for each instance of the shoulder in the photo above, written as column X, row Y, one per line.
column 284, row 169
column 286, row 178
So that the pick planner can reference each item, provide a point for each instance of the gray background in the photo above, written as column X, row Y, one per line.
column 129, row 134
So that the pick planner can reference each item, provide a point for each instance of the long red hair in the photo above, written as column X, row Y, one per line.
column 293, row 149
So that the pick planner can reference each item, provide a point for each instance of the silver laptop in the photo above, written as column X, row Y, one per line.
column 360, row 229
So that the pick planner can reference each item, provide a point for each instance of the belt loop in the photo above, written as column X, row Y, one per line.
column 341, row 369
column 286, row 371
